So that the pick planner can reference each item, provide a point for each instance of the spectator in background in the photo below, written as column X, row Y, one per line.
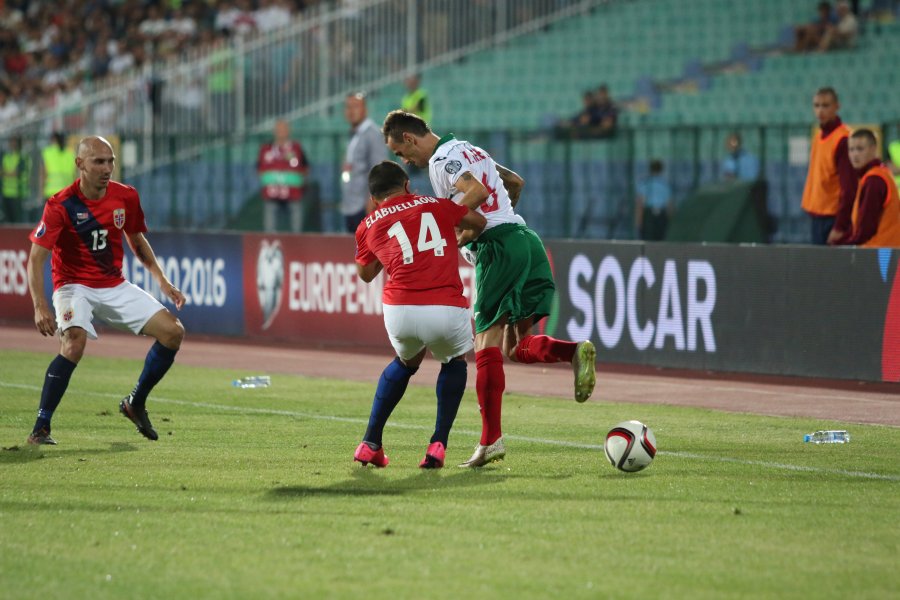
column 416, row 99
column 738, row 164
column 282, row 169
column 875, row 219
column 57, row 167
column 9, row 110
column 831, row 180
column 236, row 18
column 271, row 15
column 808, row 36
column 606, row 113
column 99, row 65
column 843, row 33
column 653, row 205
column 154, row 25
column 582, row 122
column 123, row 60
column 597, row 119
column 365, row 150
column 182, row 24
column 15, row 182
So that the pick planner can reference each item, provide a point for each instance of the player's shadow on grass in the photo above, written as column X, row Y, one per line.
column 367, row 482
column 24, row 453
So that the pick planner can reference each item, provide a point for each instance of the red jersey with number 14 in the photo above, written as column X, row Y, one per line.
column 85, row 235
column 414, row 238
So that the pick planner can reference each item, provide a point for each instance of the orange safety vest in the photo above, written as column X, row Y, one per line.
column 822, row 193
column 888, row 233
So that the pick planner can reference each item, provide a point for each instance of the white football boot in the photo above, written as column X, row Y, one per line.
column 486, row 454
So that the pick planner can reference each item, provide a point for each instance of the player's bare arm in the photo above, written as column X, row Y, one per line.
column 370, row 271
column 144, row 253
column 470, row 227
column 513, row 183
column 43, row 316
column 474, row 192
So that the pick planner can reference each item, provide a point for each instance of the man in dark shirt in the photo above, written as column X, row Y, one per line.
column 597, row 118
column 605, row 113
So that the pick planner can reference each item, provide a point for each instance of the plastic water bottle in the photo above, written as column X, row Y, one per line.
column 828, row 437
column 256, row 381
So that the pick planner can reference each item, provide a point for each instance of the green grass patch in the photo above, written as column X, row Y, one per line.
column 253, row 493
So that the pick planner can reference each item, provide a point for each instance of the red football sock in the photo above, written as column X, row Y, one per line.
column 490, row 382
column 544, row 349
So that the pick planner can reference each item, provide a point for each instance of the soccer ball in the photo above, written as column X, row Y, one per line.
column 630, row 446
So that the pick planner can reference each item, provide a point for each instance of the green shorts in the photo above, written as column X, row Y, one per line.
column 512, row 276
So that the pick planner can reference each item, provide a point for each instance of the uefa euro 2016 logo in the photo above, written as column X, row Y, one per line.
column 269, row 280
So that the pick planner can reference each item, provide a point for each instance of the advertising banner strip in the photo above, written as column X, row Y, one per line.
column 208, row 269
column 785, row 310
column 788, row 310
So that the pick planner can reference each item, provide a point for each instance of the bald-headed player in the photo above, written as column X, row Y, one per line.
column 83, row 226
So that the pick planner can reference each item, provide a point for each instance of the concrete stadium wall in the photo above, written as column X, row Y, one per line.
column 787, row 310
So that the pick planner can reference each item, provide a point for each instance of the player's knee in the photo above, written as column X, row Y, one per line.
column 173, row 335
column 72, row 344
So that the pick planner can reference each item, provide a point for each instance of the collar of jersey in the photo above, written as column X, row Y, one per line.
column 442, row 141
column 398, row 199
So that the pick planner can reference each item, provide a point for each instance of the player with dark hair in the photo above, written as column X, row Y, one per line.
column 875, row 218
column 83, row 226
column 514, row 284
column 413, row 239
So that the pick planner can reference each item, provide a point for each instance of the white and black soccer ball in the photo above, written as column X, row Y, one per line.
column 630, row 446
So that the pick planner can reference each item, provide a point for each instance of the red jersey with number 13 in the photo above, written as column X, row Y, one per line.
column 85, row 235
column 414, row 238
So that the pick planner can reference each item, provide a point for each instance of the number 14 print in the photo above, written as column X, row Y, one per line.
column 429, row 238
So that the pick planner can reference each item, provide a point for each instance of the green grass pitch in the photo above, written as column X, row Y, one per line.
column 253, row 494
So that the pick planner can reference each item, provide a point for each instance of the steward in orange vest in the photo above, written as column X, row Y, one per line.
column 831, row 180
column 876, row 208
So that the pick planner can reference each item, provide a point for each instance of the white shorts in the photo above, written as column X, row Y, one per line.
column 445, row 330
column 125, row 306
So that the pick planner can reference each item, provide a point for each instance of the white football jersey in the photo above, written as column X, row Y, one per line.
column 455, row 157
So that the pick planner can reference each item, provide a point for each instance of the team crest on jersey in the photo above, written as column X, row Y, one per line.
column 67, row 316
column 119, row 218
column 41, row 230
column 453, row 166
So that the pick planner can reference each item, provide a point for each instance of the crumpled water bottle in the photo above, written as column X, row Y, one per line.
column 255, row 381
column 832, row 436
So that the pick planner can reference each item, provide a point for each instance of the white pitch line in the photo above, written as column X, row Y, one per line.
column 816, row 395
column 521, row 438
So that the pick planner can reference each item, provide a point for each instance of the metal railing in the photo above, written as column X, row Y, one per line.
column 239, row 85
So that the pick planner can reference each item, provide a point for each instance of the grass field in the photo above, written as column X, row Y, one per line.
column 252, row 494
